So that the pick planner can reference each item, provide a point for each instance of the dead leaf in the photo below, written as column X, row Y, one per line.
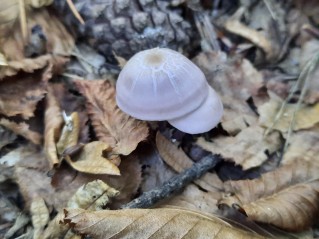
column 287, row 197
column 6, row 137
column 92, row 196
column 249, row 148
column 111, row 125
column 303, row 146
column 128, row 183
column 179, row 161
column 53, row 123
column 91, row 160
column 236, row 82
column 155, row 223
column 40, row 216
column 70, row 103
column 194, row 198
column 20, row 94
column 26, row 65
column 22, row 129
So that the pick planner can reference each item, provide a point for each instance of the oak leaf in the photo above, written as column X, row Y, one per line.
column 287, row 197
column 151, row 223
column 111, row 125
column 90, row 160
column 248, row 148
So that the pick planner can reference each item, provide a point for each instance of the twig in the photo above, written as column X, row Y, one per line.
column 174, row 185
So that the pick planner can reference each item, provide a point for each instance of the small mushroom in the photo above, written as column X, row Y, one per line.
column 162, row 84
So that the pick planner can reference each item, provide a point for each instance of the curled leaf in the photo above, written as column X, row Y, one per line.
column 287, row 197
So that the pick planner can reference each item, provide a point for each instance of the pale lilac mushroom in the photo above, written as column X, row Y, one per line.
column 162, row 84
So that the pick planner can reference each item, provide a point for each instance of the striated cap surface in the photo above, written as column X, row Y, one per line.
column 202, row 119
column 160, row 84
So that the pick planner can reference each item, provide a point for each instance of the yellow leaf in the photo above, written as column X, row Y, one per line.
column 90, row 160
column 40, row 216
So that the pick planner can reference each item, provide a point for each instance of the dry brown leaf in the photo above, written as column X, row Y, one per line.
column 236, row 82
column 92, row 196
column 249, row 148
column 91, row 160
column 22, row 129
column 303, row 146
column 195, row 199
column 111, row 125
column 129, row 181
column 305, row 117
column 287, row 197
column 26, row 65
column 20, row 94
column 53, row 123
column 179, row 161
column 151, row 223
column 40, row 216
column 58, row 40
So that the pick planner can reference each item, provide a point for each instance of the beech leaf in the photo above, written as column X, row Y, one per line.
column 287, row 197
column 111, row 125
column 151, row 223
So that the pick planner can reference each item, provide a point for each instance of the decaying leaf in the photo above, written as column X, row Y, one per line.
column 195, row 199
column 22, row 129
column 6, row 137
column 20, row 94
column 40, row 216
column 111, row 125
column 92, row 196
column 287, row 197
column 91, row 160
column 179, row 161
column 303, row 147
column 151, row 223
column 26, row 65
column 236, row 82
column 304, row 118
column 249, row 148
column 53, row 123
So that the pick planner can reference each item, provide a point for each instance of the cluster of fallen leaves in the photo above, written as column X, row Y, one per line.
column 71, row 153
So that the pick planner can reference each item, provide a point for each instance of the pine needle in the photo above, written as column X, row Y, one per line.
column 75, row 11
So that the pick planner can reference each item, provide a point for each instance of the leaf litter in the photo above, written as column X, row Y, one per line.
column 76, row 159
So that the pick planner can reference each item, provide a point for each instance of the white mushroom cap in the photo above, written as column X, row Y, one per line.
column 202, row 119
column 160, row 84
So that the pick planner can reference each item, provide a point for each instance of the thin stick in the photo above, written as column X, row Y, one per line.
column 75, row 12
column 23, row 20
column 176, row 184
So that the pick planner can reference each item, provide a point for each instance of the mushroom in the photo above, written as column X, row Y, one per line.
column 162, row 84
